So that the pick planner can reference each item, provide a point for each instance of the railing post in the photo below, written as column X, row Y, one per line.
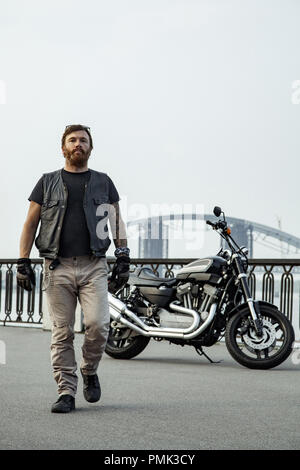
column 47, row 324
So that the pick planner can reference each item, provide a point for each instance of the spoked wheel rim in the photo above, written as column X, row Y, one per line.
column 264, row 347
column 119, row 336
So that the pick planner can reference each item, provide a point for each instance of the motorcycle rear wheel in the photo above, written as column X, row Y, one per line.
column 264, row 352
column 121, row 343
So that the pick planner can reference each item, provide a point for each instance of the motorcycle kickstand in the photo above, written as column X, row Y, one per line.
column 202, row 353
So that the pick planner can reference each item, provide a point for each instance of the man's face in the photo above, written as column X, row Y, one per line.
column 77, row 148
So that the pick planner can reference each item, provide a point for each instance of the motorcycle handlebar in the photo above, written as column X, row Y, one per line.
column 220, row 224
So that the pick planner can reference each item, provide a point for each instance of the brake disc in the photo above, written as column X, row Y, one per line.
column 267, row 340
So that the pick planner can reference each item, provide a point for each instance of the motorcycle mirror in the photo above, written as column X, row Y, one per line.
column 217, row 211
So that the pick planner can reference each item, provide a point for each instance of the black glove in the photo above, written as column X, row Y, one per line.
column 25, row 274
column 120, row 274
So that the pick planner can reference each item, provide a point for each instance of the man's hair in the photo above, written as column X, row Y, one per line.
column 74, row 128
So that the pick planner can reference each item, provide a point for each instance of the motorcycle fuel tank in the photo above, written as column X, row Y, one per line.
column 204, row 269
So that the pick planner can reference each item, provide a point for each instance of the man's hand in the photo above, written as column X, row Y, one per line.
column 120, row 272
column 25, row 274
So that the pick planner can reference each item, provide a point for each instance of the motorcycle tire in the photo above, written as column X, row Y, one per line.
column 264, row 352
column 125, row 346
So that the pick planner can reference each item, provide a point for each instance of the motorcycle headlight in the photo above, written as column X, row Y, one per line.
column 244, row 250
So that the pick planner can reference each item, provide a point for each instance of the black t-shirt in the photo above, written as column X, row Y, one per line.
column 75, row 237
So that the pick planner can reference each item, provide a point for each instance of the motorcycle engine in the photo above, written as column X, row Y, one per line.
column 173, row 319
column 193, row 297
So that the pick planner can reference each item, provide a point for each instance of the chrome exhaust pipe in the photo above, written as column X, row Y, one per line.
column 117, row 308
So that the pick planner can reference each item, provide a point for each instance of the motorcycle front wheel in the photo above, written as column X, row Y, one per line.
column 123, row 344
column 267, row 351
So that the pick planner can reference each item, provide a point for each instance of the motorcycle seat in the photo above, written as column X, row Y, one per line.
column 146, row 277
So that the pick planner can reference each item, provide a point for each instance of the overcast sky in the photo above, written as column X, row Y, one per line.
column 189, row 102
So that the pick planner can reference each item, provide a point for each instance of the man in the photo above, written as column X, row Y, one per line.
column 72, row 205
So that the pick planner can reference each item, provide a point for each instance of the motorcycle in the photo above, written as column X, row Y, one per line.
column 208, row 299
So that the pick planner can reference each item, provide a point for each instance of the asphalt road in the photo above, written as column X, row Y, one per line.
column 166, row 398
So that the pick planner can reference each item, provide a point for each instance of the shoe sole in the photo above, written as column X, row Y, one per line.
column 61, row 411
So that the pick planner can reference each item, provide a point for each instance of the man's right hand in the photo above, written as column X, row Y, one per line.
column 25, row 274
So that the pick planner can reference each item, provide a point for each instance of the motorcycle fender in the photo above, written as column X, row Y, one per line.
column 241, row 307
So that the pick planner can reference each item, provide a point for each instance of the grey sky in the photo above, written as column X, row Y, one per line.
column 188, row 102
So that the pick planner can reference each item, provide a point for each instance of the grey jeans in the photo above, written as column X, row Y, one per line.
column 82, row 278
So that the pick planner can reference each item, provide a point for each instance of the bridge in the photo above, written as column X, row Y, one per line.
column 154, row 234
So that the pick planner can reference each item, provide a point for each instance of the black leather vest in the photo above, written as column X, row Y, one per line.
column 54, row 206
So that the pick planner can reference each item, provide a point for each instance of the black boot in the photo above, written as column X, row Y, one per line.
column 91, row 388
column 64, row 404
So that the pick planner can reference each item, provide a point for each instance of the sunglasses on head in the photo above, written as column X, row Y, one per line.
column 85, row 127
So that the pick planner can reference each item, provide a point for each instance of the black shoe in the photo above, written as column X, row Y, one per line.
column 91, row 388
column 64, row 404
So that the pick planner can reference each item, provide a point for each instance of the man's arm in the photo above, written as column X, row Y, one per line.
column 29, row 229
column 117, row 226
column 120, row 272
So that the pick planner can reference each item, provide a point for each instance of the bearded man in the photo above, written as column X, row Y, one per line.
column 69, row 205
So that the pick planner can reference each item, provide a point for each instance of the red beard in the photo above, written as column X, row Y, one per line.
column 77, row 159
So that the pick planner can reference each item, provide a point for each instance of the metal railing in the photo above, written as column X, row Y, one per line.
column 18, row 306
column 274, row 280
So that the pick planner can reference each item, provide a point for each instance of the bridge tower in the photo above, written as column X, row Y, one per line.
column 153, row 239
